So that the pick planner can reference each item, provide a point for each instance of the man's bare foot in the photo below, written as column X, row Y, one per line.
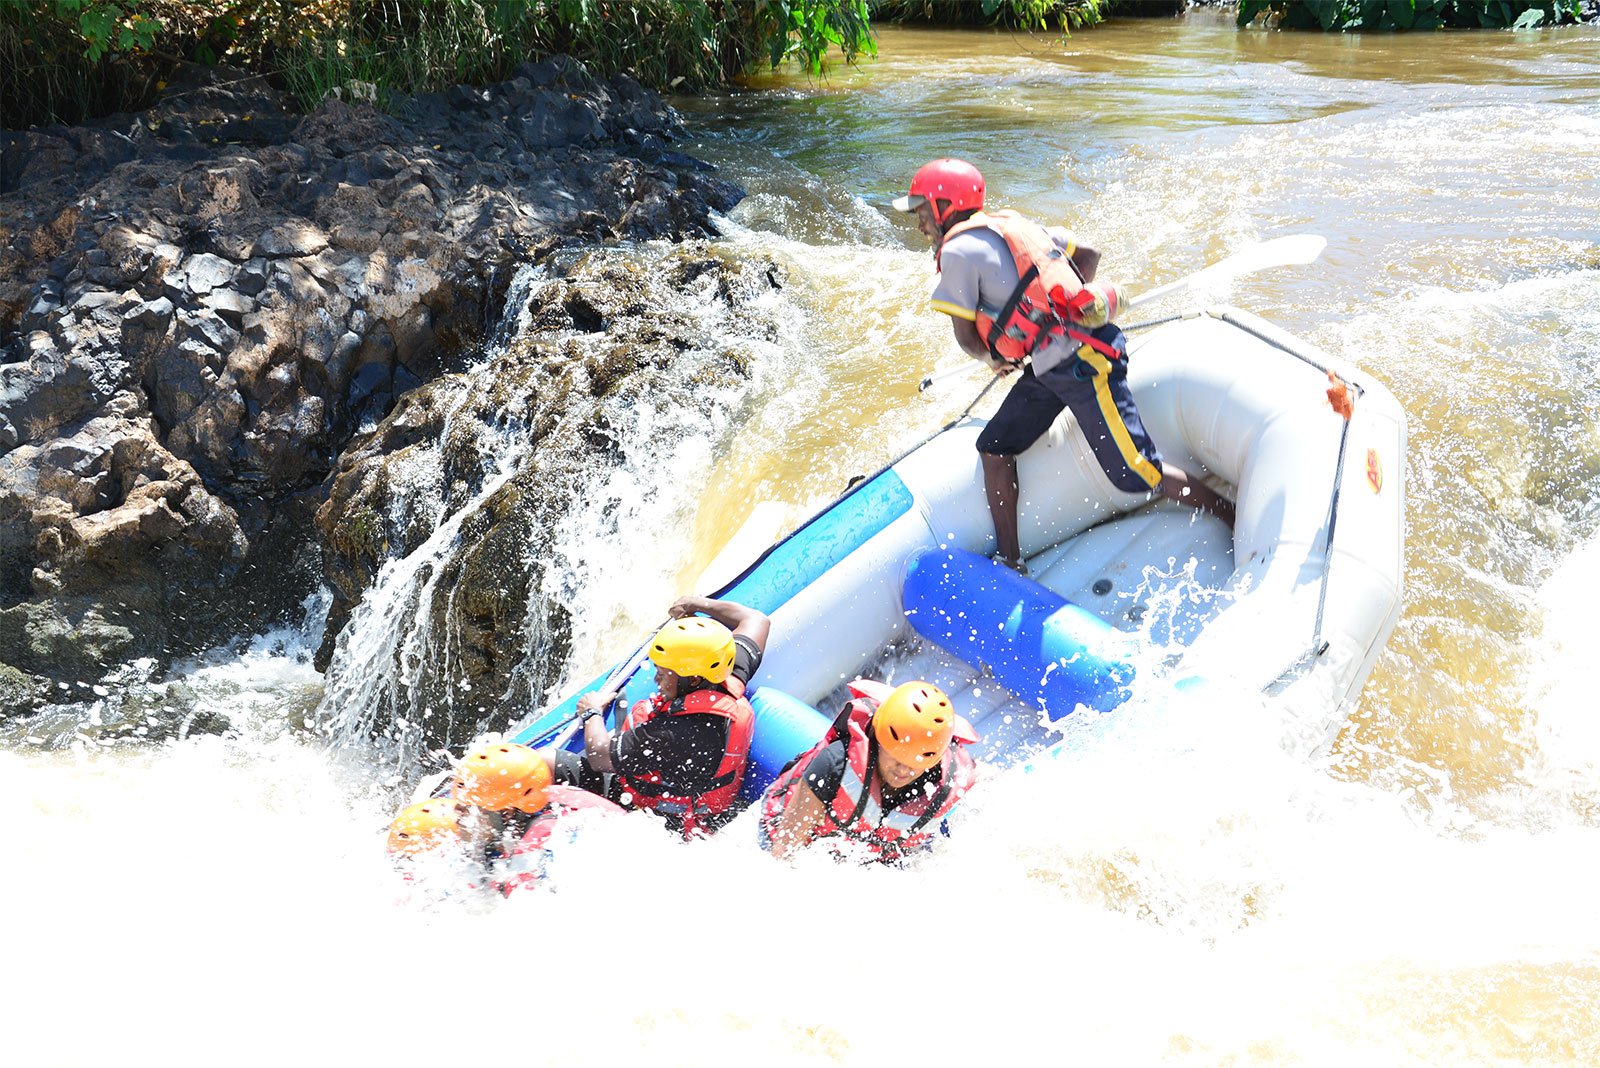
column 1014, row 563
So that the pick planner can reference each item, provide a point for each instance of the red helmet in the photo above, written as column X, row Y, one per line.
column 954, row 180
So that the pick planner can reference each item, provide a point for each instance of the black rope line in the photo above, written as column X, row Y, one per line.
column 1153, row 322
column 856, row 485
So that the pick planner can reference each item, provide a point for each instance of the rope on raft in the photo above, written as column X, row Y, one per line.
column 1343, row 405
column 859, row 481
column 1342, row 397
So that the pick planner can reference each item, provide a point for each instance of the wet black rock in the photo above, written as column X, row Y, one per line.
column 22, row 693
column 606, row 337
column 200, row 304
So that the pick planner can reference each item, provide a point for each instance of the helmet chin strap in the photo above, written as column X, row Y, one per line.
column 952, row 218
column 687, row 684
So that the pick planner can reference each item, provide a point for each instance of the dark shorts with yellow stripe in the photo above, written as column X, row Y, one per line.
column 1095, row 387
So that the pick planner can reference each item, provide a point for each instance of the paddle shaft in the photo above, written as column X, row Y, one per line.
column 618, row 676
column 762, row 520
column 1279, row 252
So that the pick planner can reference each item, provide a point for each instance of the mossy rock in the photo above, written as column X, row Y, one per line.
column 20, row 692
column 68, row 640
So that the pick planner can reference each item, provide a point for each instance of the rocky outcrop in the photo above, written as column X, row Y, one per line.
column 201, row 304
column 511, row 452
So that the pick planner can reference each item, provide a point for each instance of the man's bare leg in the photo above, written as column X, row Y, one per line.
column 1000, row 486
column 1176, row 485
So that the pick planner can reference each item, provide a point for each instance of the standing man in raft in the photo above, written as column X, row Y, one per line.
column 1019, row 295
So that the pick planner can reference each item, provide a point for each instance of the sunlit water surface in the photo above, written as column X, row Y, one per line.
column 1170, row 892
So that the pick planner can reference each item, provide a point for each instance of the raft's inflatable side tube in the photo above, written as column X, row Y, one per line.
column 785, row 727
column 828, row 587
column 1040, row 646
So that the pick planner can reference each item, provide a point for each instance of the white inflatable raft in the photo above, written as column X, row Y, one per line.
column 890, row 579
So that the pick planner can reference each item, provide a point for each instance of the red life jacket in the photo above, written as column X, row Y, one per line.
column 856, row 810
column 653, row 793
column 1047, row 280
column 525, row 864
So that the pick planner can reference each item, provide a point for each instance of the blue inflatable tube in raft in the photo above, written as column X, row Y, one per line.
column 1043, row 648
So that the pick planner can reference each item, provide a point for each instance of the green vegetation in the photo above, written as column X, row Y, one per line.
column 67, row 60
column 1410, row 14
column 1047, row 16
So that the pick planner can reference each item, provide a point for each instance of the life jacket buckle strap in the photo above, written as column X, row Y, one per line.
column 1110, row 352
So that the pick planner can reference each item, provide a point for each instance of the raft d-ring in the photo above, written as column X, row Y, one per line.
column 1339, row 396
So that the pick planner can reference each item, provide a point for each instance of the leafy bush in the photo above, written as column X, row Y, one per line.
column 684, row 45
column 1030, row 15
column 1410, row 14
column 64, row 60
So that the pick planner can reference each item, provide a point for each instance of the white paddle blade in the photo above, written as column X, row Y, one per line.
column 1279, row 252
column 750, row 541
column 948, row 373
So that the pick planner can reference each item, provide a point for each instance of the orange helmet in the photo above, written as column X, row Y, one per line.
column 914, row 724
column 502, row 775
column 424, row 826
column 954, row 180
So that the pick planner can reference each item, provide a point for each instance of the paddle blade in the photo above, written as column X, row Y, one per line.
column 1279, row 252
column 430, row 785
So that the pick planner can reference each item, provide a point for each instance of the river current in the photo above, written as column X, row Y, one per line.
column 1180, row 893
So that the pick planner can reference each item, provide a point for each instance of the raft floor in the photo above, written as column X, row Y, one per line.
column 1157, row 572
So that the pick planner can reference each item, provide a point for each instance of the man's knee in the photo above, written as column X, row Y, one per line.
column 999, row 470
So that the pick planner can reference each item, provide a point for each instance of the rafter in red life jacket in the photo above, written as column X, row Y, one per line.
column 1047, row 280
column 856, row 811
column 652, row 792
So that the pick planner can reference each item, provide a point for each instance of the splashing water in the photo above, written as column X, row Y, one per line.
column 1176, row 888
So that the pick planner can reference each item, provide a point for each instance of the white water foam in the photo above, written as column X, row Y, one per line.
column 1566, row 772
column 389, row 636
column 1179, row 892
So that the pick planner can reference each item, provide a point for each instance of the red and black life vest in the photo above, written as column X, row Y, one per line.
column 1047, row 280
column 856, row 810
column 655, row 794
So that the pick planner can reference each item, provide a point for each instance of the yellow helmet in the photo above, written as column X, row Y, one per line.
column 694, row 646
column 914, row 724
column 424, row 826
column 500, row 776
